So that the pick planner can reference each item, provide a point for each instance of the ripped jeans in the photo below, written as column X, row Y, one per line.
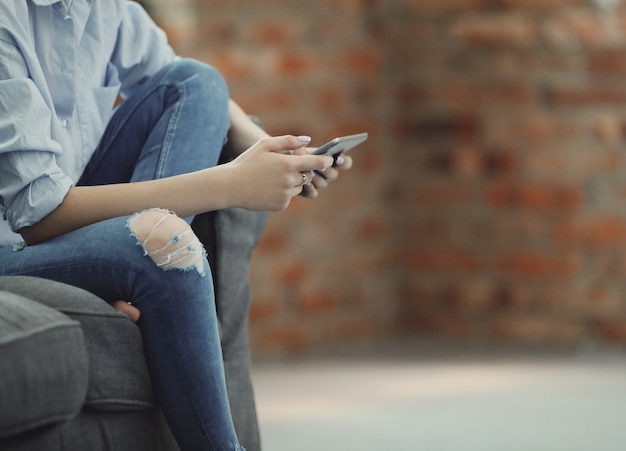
column 176, row 123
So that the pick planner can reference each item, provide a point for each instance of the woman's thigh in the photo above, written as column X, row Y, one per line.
column 108, row 260
column 85, row 257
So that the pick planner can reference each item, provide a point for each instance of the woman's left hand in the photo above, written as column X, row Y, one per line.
column 321, row 179
column 128, row 309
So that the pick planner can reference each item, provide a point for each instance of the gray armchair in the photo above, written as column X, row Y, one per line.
column 72, row 372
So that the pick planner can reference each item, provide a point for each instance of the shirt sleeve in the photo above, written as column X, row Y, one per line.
column 31, row 183
column 141, row 49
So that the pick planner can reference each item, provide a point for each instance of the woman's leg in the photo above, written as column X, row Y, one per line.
column 176, row 123
column 178, row 320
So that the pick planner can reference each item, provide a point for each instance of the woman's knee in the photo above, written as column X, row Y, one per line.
column 168, row 240
column 194, row 71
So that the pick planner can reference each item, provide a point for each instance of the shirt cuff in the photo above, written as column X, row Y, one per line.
column 37, row 200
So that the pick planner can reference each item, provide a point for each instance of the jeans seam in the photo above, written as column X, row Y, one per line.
column 171, row 128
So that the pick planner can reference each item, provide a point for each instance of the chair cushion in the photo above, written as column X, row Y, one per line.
column 43, row 365
column 118, row 376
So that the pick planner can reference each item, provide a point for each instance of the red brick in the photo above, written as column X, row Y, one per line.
column 369, row 162
column 354, row 329
column 231, row 65
column 611, row 62
column 261, row 309
column 459, row 126
column 293, row 274
column 538, row 264
column 294, row 65
column 496, row 31
column 442, row 260
column 448, row 325
column 363, row 62
column 279, row 99
column 535, row 129
column 580, row 27
column 331, row 97
column 486, row 94
column 318, row 302
column 408, row 94
column 372, row 228
column 600, row 232
column 536, row 330
column 539, row 4
column 482, row 295
column 587, row 96
column 611, row 330
column 609, row 128
column 497, row 163
column 287, row 338
column 537, row 196
column 467, row 161
column 274, row 32
column 441, row 195
column 437, row 6
column 273, row 241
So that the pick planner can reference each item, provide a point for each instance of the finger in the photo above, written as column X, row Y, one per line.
column 329, row 174
column 284, row 144
column 128, row 309
column 302, row 151
column 343, row 161
column 309, row 191
column 303, row 178
column 319, row 182
column 306, row 163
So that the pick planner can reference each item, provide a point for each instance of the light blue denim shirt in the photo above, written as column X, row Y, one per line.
column 60, row 73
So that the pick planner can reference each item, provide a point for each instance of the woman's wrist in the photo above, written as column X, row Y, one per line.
column 244, row 132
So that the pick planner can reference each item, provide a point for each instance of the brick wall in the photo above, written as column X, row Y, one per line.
column 489, row 201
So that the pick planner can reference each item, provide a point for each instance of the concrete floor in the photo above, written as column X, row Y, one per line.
column 558, row 403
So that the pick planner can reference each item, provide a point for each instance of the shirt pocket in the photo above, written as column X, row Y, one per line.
column 106, row 95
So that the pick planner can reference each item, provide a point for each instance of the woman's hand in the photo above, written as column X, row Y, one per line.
column 128, row 309
column 274, row 170
column 321, row 179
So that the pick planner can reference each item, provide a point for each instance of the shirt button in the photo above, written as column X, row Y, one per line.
column 63, row 66
column 64, row 123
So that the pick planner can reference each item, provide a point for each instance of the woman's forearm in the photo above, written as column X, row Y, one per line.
column 186, row 195
column 243, row 131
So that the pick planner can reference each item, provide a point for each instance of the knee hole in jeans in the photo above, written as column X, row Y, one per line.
column 168, row 240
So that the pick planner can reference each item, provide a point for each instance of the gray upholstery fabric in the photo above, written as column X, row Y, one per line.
column 118, row 413
column 143, row 430
column 43, row 365
column 112, row 341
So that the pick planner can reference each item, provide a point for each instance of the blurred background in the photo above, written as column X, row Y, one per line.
column 479, row 242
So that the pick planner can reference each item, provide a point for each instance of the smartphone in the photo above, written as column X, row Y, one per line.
column 341, row 144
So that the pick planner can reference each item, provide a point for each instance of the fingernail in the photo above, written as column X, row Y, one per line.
column 340, row 160
column 304, row 138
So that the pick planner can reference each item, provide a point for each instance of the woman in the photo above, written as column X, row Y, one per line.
column 95, row 198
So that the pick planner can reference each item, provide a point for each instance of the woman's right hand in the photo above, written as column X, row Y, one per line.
column 268, row 175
